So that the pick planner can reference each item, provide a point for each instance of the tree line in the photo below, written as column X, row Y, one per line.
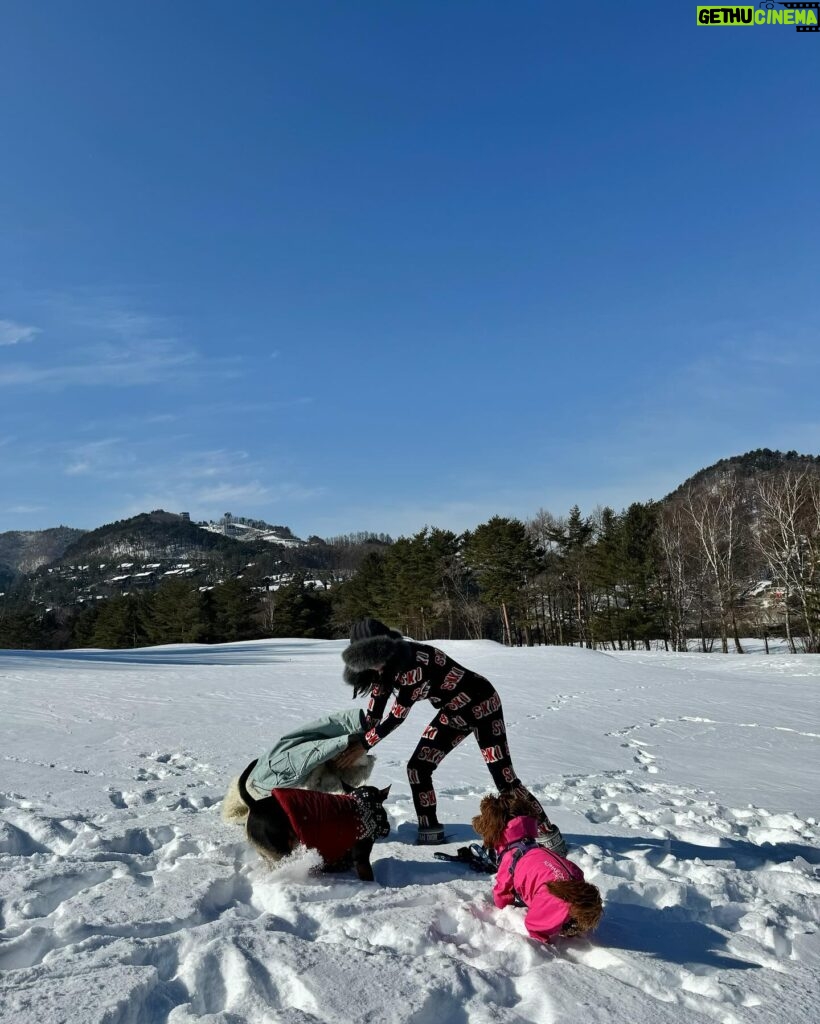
column 732, row 556
column 726, row 557
column 176, row 612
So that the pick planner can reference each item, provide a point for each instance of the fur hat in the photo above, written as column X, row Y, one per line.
column 366, row 628
column 372, row 645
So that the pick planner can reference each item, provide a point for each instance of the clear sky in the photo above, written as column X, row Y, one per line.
column 373, row 264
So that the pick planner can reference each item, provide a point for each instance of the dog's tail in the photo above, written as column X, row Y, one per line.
column 237, row 799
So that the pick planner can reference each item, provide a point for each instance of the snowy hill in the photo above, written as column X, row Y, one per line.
column 748, row 465
column 147, row 535
column 686, row 785
column 243, row 529
column 26, row 550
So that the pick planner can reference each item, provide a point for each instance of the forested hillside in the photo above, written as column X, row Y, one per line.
column 26, row 550
column 734, row 552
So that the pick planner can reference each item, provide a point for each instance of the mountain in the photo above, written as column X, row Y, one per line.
column 750, row 464
column 23, row 551
column 141, row 553
column 151, row 535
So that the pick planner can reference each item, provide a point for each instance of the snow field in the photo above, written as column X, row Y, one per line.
column 686, row 786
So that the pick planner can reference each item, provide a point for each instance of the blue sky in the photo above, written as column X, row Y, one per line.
column 376, row 265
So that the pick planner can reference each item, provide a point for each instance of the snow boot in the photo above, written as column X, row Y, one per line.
column 432, row 835
column 550, row 838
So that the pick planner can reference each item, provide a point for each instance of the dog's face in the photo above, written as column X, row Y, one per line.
column 370, row 801
column 492, row 819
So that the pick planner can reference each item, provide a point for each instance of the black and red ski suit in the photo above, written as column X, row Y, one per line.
column 466, row 703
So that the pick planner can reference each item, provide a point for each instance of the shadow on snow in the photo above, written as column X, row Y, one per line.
column 744, row 855
column 676, row 934
column 219, row 654
column 666, row 933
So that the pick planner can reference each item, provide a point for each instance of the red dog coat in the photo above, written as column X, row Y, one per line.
column 326, row 822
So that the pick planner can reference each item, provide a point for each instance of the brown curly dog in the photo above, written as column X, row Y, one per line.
column 536, row 877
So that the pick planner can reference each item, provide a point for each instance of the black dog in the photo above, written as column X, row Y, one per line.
column 342, row 828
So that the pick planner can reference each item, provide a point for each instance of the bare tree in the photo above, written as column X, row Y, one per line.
column 717, row 514
column 784, row 539
column 676, row 545
column 462, row 598
column 813, row 547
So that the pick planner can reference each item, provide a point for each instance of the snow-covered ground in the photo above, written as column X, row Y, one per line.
column 687, row 786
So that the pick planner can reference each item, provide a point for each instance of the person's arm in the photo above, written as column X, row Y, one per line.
column 503, row 895
column 398, row 713
column 349, row 757
column 376, row 704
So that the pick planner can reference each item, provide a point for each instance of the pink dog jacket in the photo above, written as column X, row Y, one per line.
column 545, row 912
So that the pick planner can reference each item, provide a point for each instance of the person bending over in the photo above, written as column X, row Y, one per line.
column 380, row 662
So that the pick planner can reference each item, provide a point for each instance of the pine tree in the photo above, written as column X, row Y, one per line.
column 606, row 576
column 302, row 611
column 504, row 558
column 362, row 595
column 175, row 614
column 573, row 540
column 83, row 625
column 414, row 584
column 641, row 559
column 20, row 629
column 232, row 612
column 120, row 623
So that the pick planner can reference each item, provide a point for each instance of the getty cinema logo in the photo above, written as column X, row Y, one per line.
column 804, row 16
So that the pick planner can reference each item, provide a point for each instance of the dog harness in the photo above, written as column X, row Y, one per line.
column 519, row 848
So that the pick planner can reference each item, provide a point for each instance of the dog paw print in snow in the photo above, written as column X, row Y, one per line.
column 123, row 799
column 189, row 802
column 163, row 765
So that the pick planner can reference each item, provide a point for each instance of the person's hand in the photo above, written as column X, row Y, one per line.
column 349, row 757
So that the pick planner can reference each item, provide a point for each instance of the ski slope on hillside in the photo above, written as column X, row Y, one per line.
column 686, row 786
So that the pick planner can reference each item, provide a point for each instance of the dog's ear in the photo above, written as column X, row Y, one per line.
column 383, row 794
column 346, row 787
column 492, row 819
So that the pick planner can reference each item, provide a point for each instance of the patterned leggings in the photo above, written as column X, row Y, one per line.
column 443, row 735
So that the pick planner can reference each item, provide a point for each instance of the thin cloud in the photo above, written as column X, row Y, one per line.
column 111, row 315
column 12, row 333
column 245, row 408
column 203, row 482
column 205, row 502
column 22, row 509
column 103, row 344
column 106, row 365
column 96, row 457
column 190, row 412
